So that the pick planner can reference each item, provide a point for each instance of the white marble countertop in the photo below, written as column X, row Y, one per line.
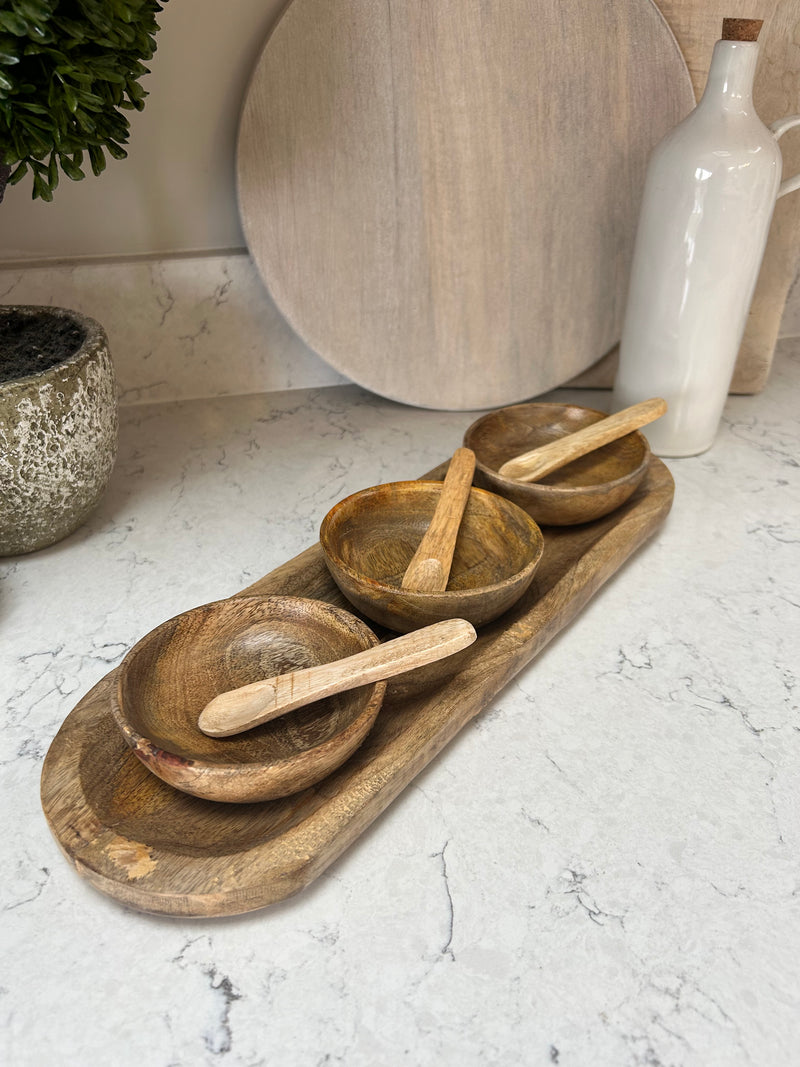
column 601, row 869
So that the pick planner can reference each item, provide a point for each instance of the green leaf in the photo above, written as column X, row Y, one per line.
column 13, row 23
column 34, row 145
column 52, row 171
column 97, row 158
column 41, row 189
column 35, row 122
column 18, row 173
column 92, row 101
column 71, row 168
column 97, row 15
column 35, row 10
column 106, row 73
column 84, row 121
column 136, row 92
column 40, row 48
column 116, row 150
column 9, row 51
column 37, row 31
column 70, row 96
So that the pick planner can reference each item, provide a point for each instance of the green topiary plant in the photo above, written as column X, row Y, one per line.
column 68, row 71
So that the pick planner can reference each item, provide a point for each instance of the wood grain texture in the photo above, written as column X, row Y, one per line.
column 532, row 466
column 159, row 850
column 368, row 539
column 167, row 678
column 442, row 198
column 583, row 490
column 697, row 25
column 429, row 569
column 251, row 705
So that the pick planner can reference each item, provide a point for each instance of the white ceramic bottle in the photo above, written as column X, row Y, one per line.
column 708, row 200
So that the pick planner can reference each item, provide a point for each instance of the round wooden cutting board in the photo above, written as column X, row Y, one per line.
column 442, row 197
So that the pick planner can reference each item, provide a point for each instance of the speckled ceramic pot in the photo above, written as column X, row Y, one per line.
column 58, row 432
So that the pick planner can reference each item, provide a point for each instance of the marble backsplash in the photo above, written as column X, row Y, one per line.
column 194, row 326
column 181, row 327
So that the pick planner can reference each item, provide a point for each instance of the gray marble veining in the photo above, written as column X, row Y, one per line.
column 602, row 869
column 180, row 327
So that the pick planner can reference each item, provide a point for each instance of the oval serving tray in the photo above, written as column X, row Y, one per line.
column 159, row 850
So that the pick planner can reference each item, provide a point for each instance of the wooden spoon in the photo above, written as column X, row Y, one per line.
column 534, row 465
column 242, row 709
column 429, row 568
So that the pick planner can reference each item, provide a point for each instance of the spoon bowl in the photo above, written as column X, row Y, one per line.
column 585, row 489
column 238, row 710
column 369, row 538
column 169, row 676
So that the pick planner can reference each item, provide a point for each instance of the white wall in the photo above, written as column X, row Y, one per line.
column 176, row 190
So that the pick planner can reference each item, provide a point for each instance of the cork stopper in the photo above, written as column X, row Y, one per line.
column 741, row 29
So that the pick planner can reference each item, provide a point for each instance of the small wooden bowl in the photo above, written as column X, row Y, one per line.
column 369, row 538
column 169, row 676
column 583, row 490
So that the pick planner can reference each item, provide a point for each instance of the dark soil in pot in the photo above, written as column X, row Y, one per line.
column 31, row 343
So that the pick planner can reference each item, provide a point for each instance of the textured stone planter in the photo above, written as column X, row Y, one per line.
column 58, row 428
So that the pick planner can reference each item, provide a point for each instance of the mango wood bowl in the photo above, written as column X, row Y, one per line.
column 169, row 676
column 583, row 490
column 368, row 540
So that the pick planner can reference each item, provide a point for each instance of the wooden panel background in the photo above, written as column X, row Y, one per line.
column 697, row 25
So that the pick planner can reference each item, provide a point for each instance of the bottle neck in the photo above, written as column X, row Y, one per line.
column 730, row 79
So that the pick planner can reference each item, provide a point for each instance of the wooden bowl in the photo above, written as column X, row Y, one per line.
column 369, row 538
column 170, row 675
column 583, row 490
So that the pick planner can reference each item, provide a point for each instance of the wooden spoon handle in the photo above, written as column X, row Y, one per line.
column 429, row 568
column 242, row 709
column 531, row 466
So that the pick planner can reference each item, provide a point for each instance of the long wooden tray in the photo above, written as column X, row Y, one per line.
column 162, row 851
